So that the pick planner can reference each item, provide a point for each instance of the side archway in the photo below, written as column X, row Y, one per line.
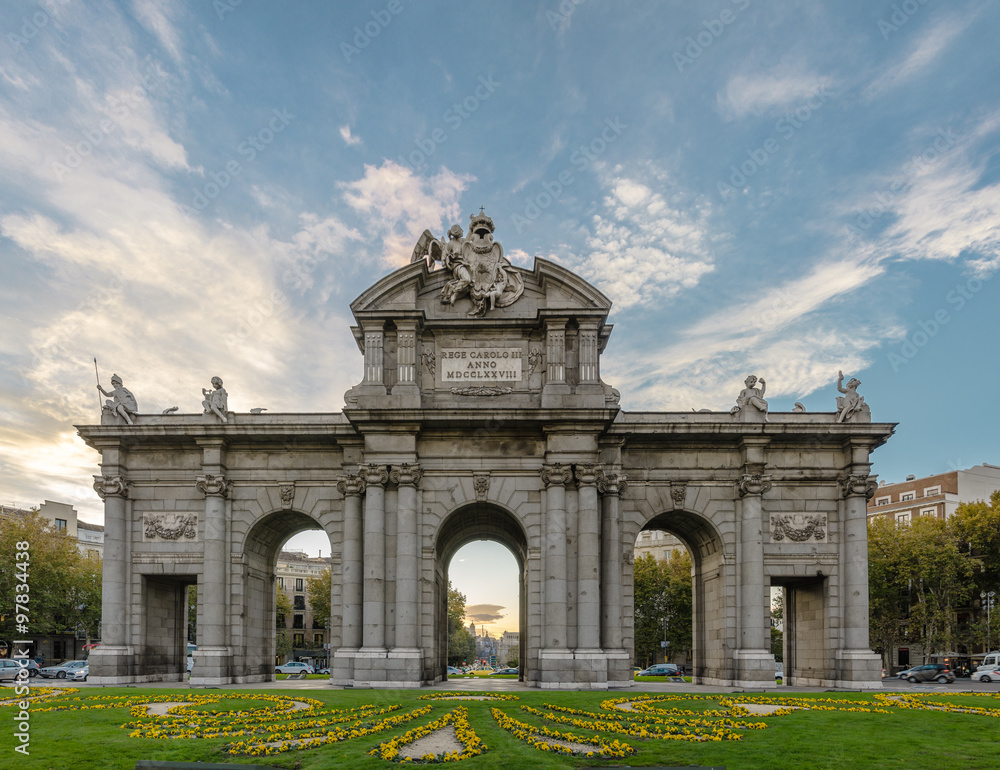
column 477, row 521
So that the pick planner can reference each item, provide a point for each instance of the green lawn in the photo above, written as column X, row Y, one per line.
column 903, row 738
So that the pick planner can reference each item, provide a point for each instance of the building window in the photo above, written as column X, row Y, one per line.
column 297, row 621
column 60, row 525
column 300, row 602
column 932, row 491
column 281, row 583
column 903, row 518
column 298, row 640
column 928, row 511
column 298, row 584
column 318, row 639
column 92, row 554
column 906, row 496
column 883, row 500
column 317, row 624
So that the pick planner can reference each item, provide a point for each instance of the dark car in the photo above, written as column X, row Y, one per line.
column 661, row 669
column 506, row 672
column 935, row 671
column 31, row 665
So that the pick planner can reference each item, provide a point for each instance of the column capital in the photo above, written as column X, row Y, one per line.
column 214, row 486
column 586, row 474
column 405, row 475
column 374, row 475
column 610, row 483
column 859, row 484
column 351, row 486
column 556, row 474
column 753, row 484
column 111, row 486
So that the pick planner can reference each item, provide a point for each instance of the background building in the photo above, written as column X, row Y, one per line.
column 310, row 640
column 937, row 495
column 657, row 542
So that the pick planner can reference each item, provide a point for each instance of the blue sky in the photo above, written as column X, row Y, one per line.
column 199, row 189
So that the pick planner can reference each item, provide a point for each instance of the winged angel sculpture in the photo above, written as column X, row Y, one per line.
column 476, row 263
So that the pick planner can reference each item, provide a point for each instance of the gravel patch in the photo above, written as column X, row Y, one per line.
column 439, row 743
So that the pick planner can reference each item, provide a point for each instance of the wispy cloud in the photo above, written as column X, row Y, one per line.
column 769, row 92
column 349, row 139
column 922, row 53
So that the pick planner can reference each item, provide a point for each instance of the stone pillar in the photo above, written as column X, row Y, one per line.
column 858, row 665
column 588, row 603
column 610, row 486
column 113, row 661
column 754, row 662
column 376, row 477
column 213, row 658
column 406, row 353
column 589, row 372
column 351, row 487
column 555, row 477
column 406, row 477
column 555, row 387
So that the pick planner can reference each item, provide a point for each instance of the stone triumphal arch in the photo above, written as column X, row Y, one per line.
column 481, row 413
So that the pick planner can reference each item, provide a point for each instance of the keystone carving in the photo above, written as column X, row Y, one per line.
column 555, row 474
column 481, row 481
column 784, row 526
column 287, row 492
column 111, row 486
column 351, row 485
column 678, row 493
column 859, row 484
column 170, row 526
column 214, row 486
column 405, row 475
column 753, row 484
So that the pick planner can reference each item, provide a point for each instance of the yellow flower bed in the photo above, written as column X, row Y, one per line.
column 471, row 744
column 536, row 737
column 471, row 695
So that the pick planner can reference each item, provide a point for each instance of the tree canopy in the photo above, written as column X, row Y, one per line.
column 663, row 605
column 461, row 643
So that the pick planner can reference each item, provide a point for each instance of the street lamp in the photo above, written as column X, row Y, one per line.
column 988, row 599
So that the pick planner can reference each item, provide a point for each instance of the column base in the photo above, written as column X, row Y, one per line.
column 859, row 670
column 754, row 668
column 574, row 670
column 112, row 665
column 212, row 665
column 378, row 668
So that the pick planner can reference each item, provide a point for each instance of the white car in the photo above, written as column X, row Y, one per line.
column 79, row 674
column 293, row 667
column 991, row 675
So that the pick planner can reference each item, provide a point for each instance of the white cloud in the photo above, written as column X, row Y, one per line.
column 345, row 134
column 641, row 249
column 924, row 51
column 398, row 205
column 765, row 93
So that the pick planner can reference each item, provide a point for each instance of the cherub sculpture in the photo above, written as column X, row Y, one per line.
column 751, row 398
column 216, row 400
column 851, row 406
column 122, row 402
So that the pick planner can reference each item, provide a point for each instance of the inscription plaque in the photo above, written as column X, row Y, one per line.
column 477, row 364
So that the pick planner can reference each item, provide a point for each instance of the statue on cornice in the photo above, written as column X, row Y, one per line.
column 216, row 400
column 851, row 407
column 122, row 402
column 750, row 402
column 476, row 263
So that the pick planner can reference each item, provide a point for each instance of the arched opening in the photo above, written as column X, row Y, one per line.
column 480, row 521
column 254, row 638
column 706, row 661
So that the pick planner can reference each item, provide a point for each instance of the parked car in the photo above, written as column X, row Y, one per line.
column 452, row 671
column 779, row 671
column 32, row 666
column 324, row 670
column 936, row 671
column 62, row 670
column 661, row 669
column 905, row 673
column 506, row 671
column 991, row 662
column 293, row 667
column 9, row 669
column 79, row 674
column 990, row 675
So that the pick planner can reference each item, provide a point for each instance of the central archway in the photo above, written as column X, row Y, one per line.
column 711, row 602
column 478, row 521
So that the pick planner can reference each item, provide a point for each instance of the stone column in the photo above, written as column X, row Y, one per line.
column 112, row 662
column 212, row 659
column 406, row 477
column 588, row 604
column 555, row 386
column 754, row 662
column 376, row 477
column 351, row 487
column 555, row 477
column 589, row 349
column 610, row 486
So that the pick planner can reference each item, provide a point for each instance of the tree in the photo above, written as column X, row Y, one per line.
column 461, row 644
column 888, row 588
column 318, row 594
column 977, row 525
column 283, row 610
column 64, row 586
column 663, row 605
